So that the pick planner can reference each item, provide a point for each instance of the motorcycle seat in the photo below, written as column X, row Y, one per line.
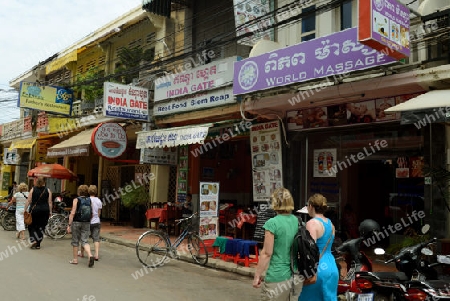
column 397, row 276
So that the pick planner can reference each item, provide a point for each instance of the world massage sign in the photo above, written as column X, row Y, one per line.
column 335, row 54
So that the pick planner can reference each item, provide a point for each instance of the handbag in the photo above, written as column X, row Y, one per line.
column 27, row 218
column 313, row 279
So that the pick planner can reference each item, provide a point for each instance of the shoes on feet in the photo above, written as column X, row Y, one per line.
column 91, row 262
column 73, row 262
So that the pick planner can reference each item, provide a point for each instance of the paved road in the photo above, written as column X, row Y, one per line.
column 45, row 274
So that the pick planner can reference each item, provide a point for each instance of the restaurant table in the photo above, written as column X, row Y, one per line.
column 162, row 214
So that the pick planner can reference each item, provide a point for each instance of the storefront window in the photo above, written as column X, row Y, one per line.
column 378, row 171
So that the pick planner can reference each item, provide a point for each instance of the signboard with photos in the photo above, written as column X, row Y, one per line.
column 265, row 139
column 366, row 111
column 384, row 26
column 209, row 209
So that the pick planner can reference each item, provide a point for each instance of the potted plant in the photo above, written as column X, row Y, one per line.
column 136, row 201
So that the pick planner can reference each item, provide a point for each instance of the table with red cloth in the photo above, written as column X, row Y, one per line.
column 160, row 213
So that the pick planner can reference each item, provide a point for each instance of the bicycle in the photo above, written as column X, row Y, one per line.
column 153, row 246
column 57, row 224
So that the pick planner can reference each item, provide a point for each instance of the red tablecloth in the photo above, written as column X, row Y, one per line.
column 161, row 213
column 155, row 213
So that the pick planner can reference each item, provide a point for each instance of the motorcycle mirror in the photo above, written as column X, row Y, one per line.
column 426, row 251
column 379, row 251
column 425, row 228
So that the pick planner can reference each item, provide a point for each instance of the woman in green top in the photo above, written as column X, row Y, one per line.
column 275, row 256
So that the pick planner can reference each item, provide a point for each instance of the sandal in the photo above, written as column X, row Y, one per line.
column 73, row 262
column 80, row 255
column 33, row 245
column 91, row 262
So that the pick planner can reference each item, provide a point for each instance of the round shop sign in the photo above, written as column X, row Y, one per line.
column 109, row 140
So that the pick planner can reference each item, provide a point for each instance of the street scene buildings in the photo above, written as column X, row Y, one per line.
column 229, row 100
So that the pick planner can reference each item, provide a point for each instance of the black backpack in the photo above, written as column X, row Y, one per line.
column 304, row 254
column 84, row 210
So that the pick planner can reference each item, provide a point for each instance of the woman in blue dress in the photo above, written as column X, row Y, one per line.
column 322, row 231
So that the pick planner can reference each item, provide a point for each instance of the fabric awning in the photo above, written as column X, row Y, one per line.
column 60, row 62
column 424, row 102
column 77, row 145
column 23, row 143
column 172, row 136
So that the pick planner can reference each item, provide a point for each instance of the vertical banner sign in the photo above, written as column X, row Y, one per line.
column 384, row 26
column 209, row 204
column 182, row 173
column 266, row 160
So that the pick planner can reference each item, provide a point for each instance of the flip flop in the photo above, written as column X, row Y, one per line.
column 73, row 262
column 91, row 262
column 96, row 259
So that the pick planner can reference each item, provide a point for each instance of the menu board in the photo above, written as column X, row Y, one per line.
column 182, row 170
column 209, row 208
column 266, row 159
column 264, row 213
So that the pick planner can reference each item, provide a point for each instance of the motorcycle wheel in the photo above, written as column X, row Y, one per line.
column 56, row 227
column 381, row 297
column 9, row 222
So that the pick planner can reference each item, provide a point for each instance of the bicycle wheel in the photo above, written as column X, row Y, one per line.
column 57, row 226
column 9, row 222
column 152, row 248
column 198, row 249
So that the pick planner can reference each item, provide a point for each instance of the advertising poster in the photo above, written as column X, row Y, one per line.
column 361, row 112
column 209, row 209
column 381, row 105
column 266, row 160
column 208, row 227
column 324, row 161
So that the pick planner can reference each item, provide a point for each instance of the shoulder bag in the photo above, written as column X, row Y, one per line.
column 27, row 219
column 313, row 279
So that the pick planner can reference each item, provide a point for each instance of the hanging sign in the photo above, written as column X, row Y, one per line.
column 109, row 140
column 384, row 26
column 122, row 101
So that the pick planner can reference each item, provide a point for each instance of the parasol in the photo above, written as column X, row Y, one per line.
column 56, row 171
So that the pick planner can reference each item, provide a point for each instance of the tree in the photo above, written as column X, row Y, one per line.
column 130, row 60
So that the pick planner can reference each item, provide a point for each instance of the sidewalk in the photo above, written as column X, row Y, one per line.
column 128, row 236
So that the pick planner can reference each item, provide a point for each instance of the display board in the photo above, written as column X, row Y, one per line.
column 264, row 214
column 209, row 209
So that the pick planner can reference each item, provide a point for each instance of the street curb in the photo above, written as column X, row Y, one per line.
column 212, row 262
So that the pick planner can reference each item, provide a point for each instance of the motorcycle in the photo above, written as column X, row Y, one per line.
column 356, row 261
column 416, row 279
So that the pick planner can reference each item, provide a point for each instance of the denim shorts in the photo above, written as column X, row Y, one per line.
column 95, row 232
column 80, row 233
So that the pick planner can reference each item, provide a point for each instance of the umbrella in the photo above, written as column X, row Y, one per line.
column 56, row 171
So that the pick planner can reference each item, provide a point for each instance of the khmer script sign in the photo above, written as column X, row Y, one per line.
column 335, row 54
